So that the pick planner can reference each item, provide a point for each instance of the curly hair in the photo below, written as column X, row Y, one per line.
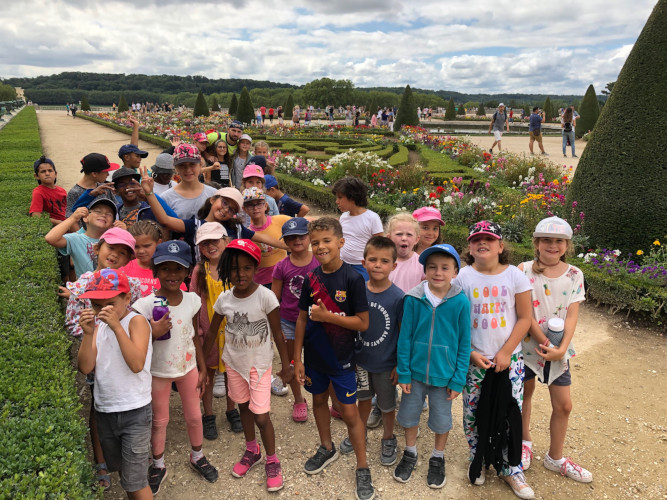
column 352, row 188
column 229, row 260
column 326, row 224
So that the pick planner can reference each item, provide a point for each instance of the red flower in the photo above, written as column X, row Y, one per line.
column 432, row 195
column 440, row 189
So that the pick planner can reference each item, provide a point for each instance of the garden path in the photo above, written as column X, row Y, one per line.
column 618, row 427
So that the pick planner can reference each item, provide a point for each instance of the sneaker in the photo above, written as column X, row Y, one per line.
column 219, row 389
column 404, row 469
column 575, row 156
column 491, row 150
column 274, row 476
column 346, row 446
column 375, row 418
column 519, row 485
column 388, row 453
column 210, row 429
column 526, row 456
column 568, row 469
column 482, row 476
column 436, row 473
column 277, row 387
column 155, row 477
column 564, row 156
column 545, row 154
column 365, row 489
column 234, row 420
column 247, row 462
column 205, row 469
column 321, row 459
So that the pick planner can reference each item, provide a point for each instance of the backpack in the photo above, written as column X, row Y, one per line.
column 567, row 127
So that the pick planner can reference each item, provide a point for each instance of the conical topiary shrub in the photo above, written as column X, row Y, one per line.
column 122, row 105
column 233, row 105
column 460, row 110
column 245, row 112
column 450, row 112
column 548, row 109
column 287, row 108
column 620, row 181
column 84, row 104
column 481, row 110
column 407, row 110
column 201, row 108
column 589, row 111
column 214, row 104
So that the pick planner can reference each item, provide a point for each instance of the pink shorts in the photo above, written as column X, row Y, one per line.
column 258, row 391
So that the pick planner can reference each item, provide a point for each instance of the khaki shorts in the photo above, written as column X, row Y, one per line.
column 534, row 137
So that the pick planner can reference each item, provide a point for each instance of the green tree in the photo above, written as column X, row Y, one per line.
column 608, row 88
column 548, row 109
column 407, row 110
column 201, row 108
column 84, row 104
column 461, row 110
column 233, row 105
column 450, row 112
column 246, row 111
column 122, row 104
column 481, row 111
column 7, row 92
column 620, row 181
column 214, row 104
column 287, row 108
column 589, row 111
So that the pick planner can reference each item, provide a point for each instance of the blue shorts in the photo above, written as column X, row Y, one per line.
column 439, row 408
column 345, row 384
column 288, row 328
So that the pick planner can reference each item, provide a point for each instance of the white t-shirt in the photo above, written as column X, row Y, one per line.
column 117, row 388
column 435, row 301
column 247, row 333
column 357, row 230
column 492, row 306
column 159, row 189
column 187, row 208
column 408, row 273
column 174, row 357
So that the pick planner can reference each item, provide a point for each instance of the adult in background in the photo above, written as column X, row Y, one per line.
column 535, row 129
column 498, row 122
column 231, row 137
column 567, row 123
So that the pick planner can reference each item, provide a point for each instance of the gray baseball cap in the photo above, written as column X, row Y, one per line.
column 164, row 164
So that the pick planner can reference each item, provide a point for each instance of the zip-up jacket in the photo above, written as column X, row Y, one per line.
column 434, row 343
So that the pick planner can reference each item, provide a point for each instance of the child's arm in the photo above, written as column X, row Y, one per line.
column 212, row 333
column 173, row 223
column 56, row 237
column 359, row 322
column 303, row 210
column 286, row 374
column 277, row 288
column 404, row 347
column 90, row 194
column 88, row 349
column 135, row 347
column 524, row 316
column 134, row 139
column 268, row 240
column 199, row 354
column 458, row 380
column 556, row 353
column 299, row 334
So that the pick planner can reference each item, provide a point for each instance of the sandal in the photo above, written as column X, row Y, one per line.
column 335, row 413
column 234, row 420
column 103, row 480
column 300, row 411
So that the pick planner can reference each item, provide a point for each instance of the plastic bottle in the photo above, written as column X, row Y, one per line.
column 160, row 308
column 555, row 331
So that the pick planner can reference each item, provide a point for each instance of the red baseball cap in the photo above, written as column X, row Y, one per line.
column 246, row 246
column 106, row 284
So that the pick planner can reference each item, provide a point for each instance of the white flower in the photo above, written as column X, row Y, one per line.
column 581, row 256
column 447, row 199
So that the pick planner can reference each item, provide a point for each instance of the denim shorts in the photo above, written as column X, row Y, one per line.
column 564, row 380
column 370, row 384
column 288, row 328
column 439, row 408
column 125, row 437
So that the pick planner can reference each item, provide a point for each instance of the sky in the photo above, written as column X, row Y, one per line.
column 474, row 46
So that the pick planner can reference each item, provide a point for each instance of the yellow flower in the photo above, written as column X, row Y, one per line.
column 656, row 243
column 640, row 252
column 402, row 192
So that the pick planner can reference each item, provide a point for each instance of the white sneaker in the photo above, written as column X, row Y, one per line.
column 519, row 485
column 568, row 469
column 277, row 386
column 482, row 475
column 219, row 389
column 526, row 456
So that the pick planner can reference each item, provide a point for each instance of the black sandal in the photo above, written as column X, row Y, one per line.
column 235, row 420
column 103, row 480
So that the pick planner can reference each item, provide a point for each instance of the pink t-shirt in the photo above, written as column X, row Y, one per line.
column 408, row 273
column 145, row 277
column 292, row 278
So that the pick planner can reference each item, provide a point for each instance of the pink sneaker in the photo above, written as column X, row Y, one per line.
column 274, row 476
column 248, row 461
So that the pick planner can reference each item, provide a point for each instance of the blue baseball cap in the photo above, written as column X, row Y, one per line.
column 298, row 226
column 173, row 251
column 270, row 181
column 131, row 148
column 258, row 160
column 236, row 124
column 445, row 248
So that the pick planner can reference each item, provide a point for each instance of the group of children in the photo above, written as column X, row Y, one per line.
column 370, row 310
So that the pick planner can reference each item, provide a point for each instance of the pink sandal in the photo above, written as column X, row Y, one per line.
column 335, row 413
column 300, row 411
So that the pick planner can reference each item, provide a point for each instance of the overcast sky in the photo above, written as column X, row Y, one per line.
column 554, row 47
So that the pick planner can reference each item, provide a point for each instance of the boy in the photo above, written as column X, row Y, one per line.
column 433, row 358
column 130, row 154
column 286, row 205
column 119, row 350
column 163, row 173
column 95, row 168
column 332, row 308
column 47, row 197
column 99, row 216
column 376, row 359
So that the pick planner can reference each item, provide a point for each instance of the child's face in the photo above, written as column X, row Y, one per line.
column 212, row 249
column 127, row 190
column 100, row 216
column 46, row 174
column 244, row 145
column 163, row 179
column 262, row 151
column 223, row 209
column 379, row 263
column 113, row 256
column 429, row 232
column 251, row 182
column 242, row 272
column 221, row 148
column 551, row 249
column 485, row 248
column 171, row 275
column 440, row 270
column 188, row 172
column 343, row 203
column 201, row 146
column 255, row 209
column 99, row 176
column 404, row 235
column 119, row 304
column 297, row 243
column 144, row 249
column 132, row 160
column 326, row 246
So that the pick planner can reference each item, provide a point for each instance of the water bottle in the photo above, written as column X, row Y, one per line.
column 160, row 308
column 555, row 331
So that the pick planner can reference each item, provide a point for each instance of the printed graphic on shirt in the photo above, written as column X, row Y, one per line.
column 489, row 313
column 374, row 306
column 295, row 285
column 243, row 333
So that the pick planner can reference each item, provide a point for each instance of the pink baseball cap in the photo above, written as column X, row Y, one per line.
column 424, row 214
column 253, row 171
column 118, row 236
column 106, row 284
column 200, row 137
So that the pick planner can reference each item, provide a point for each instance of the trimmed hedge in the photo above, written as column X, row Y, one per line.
column 43, row 452
column 400, row 158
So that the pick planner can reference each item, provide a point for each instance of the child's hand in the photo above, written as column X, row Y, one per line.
column 120, row 224
column 87, row 321
column 215, row 166
column 502, row 360
column 147, row 181
column 64, row 292
column 99, row 190
column 286, row 374
column 406, row 388
column 452, row 394
column 299, row 372
column 394, row 376
column 133, row 121
column 109, row 316
column 549, row 353
column 80, row 213
column 161, row 326
column 175, row 141
column 319, row 312
column 480, row 360
column 201, row 382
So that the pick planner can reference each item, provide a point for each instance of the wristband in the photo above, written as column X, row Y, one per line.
column 148, row 194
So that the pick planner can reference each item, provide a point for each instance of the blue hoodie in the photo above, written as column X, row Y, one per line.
column 434, row 343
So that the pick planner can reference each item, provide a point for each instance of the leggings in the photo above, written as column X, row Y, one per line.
column 187, row 390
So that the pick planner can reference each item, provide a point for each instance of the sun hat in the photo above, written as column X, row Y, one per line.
column 252, row 194
column 246, row 246
column 231, row 194
column 270, row 181
column 253, row 171
column 425, row 214
column 297, row 226
column 236, row 124
column 200, row 137
column 210, row 231
column 105, row 201
column 486, row 227
column 554, row 227
column 42, row 161
column 164, row 164
column 125, row 172
column 246, row 137
column 106, row 284
column 131, row 148
column 186, row 153
column 95, row 162
column 173, row 251
column 118, row 236
column 445, row 248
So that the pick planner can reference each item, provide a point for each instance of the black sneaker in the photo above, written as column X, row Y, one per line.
column 234, row 420
column 321, row 459
column 155, row 478
column 388, row 455
column 403, row 470
column 365, row 489
column 210, row 429
column 575, row 156
column 206, row 470
column 436, row 473
column 491, row 150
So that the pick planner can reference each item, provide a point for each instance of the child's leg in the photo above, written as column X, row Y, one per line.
column 267, row 432
column 528, row 390
column 247, row 421
column 294, row 384
column 238, row 390
column 561, row 404
column 365, row 408
column 516, row 378
column 187, row 390
column 441, row 441
column 385, row 391
column 230, row 402
column 356, row 430
column 98, row 454
column 388, row 423
column 208, row 393
column 322, row 418
column 471, row 394
column 161, row 390
column 143, row 494
column 335, row 404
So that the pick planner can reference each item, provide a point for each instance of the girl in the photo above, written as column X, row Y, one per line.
column 567, row 123
column 240, row 160
column 430, row 222
column 217, row 167
column 262, row 149
column 252, row 313
column 499, row 297
column 177, row 357
column 254, row 204
column 558, row 289
column 403, row 230
column 253, row 176
column 211, row 241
